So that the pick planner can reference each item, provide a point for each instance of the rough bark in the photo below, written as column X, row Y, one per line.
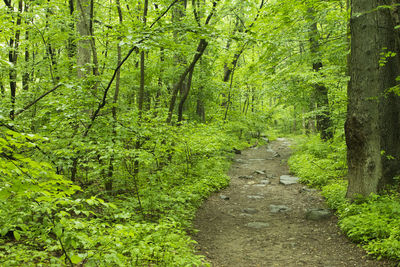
column 372, row 132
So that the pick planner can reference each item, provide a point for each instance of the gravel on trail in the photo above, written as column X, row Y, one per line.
column 266, row 218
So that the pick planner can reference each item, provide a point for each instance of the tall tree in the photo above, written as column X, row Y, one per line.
column 84, row 24
column 373, row 119
column 13, row 53
column 320, row 90
column 203, row 43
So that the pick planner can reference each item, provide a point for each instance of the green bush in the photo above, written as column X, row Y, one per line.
column 389, row 247
column 335, row 195
column 374, row 218
column 46, row 220
column 317, row 163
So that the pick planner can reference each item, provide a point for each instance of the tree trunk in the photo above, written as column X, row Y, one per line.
column 109, row 181
column 71, row 45
column 200, row 110
column 372, row 123
column 199, row 52
column 83, row 56
column 13, row 56
column 26, row 75
column 141, row 93
column 324, row 124
column 185, row 95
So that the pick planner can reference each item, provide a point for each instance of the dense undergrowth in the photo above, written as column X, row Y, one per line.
column 46, row 220
column 374, row 222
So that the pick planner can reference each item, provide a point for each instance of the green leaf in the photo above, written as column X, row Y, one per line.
column 75, row 259
column 58, row 230
column 17, row 236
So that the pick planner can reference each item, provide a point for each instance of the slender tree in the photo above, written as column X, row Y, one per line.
column 324, row 124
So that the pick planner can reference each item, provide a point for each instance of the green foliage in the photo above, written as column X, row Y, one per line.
column 80, row 170
column 45, row 219
column 335, row 194
column 318, row 163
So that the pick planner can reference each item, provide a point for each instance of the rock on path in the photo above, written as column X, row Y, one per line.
column 281, row 223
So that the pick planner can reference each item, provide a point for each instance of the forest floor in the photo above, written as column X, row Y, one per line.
column 257, row 221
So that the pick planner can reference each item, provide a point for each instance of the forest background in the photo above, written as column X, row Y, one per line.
column 119, row 117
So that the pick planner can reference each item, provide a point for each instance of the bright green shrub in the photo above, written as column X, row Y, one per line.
column 389, row 247
column 335, row 194
column 373, row 219
column 316, row 162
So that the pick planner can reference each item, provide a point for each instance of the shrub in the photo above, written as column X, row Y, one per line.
column 335, row 195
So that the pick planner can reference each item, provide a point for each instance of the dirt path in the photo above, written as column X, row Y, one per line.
column 257, row 221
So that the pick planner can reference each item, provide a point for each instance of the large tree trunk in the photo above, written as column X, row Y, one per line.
column 372, row 125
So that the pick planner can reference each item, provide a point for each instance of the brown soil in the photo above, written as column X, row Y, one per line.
column 287, row 238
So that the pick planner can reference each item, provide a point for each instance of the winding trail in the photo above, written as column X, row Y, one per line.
column 257, row 221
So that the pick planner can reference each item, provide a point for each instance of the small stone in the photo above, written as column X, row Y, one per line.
column 305, row 189
column 240, row 161
column 279, row 208
column 318, row 214
column 237, row 151
column 288, row 180
column 246, row 177
column 259, row 172
column 257, row 225
column 251, row 182
column 260, row 185
column 223, row 197
column 265, row 181
column 250, row 211
column 276, row 155
column 255, row 197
